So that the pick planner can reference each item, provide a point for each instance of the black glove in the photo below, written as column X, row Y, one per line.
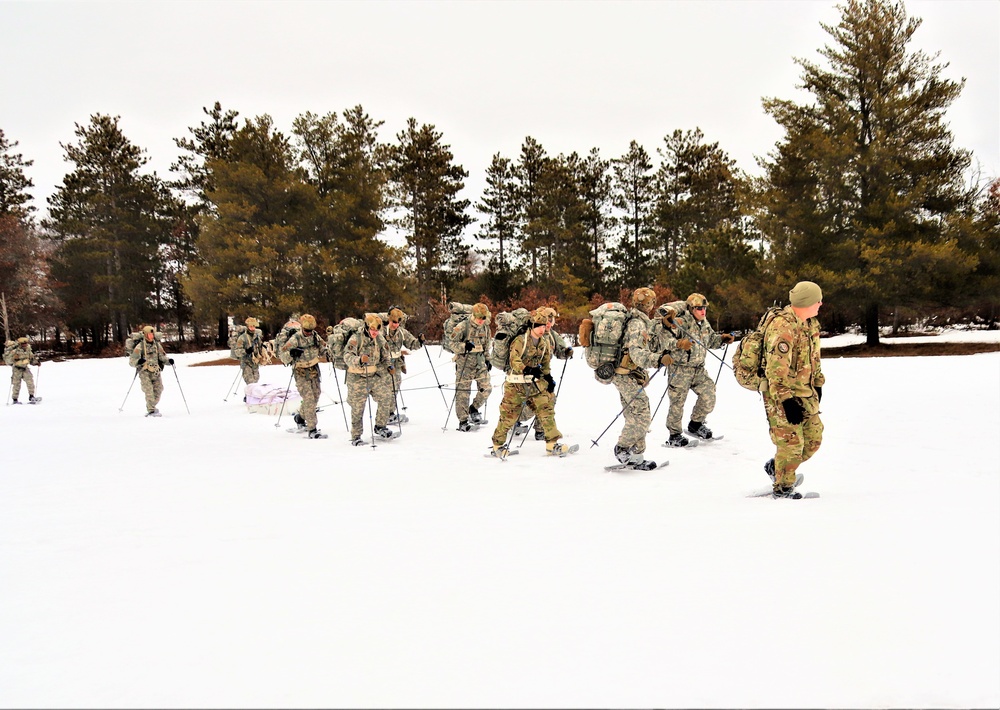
column 793, row 411
column 142, row 361
column 420, row 339
column 819, row 394
column 469, row 346
column 535, row 372
column 289, row 331
column 296, row 353
column 550, row 381
column 489, row 365
column 170, row 361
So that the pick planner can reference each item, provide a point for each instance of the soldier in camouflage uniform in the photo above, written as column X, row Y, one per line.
column 561, row 351
column 290, row 327
column 472, row 364
column 366, row 353
column 793, row 386
column 685, row 333
column 529, row 379
column 638, row 354
column 397, row 339
column 18, row 355
column 248, row 347
column 305, row 347
column 150, row 359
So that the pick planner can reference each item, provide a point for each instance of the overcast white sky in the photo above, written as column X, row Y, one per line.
column 574, row 75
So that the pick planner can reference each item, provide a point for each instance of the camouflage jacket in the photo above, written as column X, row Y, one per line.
column 248, row 345
column 792, row 366
column 559, row 347
column 639, row 353
column 19, row 355
column 525, row 351
column 693, row 329
column 479, row 335
column 399, row 340
column 152, row 353
column 361, row 343
column 312, row 346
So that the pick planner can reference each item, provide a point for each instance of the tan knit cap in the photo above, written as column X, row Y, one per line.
column 805, row 294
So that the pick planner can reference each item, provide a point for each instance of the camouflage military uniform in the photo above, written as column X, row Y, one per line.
column 631, row 378
column 397, row 340
column 364, row 378
column 150, row 359
column 688, row 370
column 519, row 388
column 19, row 356
column 561, row 351
column 792, row 370
column 306, row 371
column 248, row 346
column 471, row 366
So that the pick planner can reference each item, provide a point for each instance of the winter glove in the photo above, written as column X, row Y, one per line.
column 726, row 338
column 289, row 331
column 550, row 381
column 391, row 369
column 170, row 361
column 469, row 346
column 533, row 371
column 364, row 358
column 420, row 339
column 142, row 361
column 569, row 354
column 819, row 394
column 489, row 365
column 668, row 317
column 684, row 344
column 296, row 353
column 666, row 360
column 793, row 411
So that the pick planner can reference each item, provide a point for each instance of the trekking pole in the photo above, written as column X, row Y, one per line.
column 38, row 376
column 239, row 369
column 395, row 402
column 593, row 442
column 652, row 418
column 285, row 398
column 343, row 411
column 707, row 349
column 172, row 365
column 724, row 351
column 461, row 376
column 371, row 406
column 10, row 389
column 443, row 398
column 129, row 391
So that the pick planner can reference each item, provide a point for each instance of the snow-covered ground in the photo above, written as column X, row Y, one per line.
column 212, row 559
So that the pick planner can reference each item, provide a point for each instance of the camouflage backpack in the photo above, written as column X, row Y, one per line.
column 509, row 326
column 338, row 340
column 460, row 312
column 748, row 360
column 135, row 338
column 602, row 335
column 235, row 336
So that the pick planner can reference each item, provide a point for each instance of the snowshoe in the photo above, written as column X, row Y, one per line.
column 466, row 426
column 315, row 434
column 627, row 456
column 357, row 441
column 32, row 399
column 520, row 429
column 397, row 418
column 561, row 450
column 539, row 436
column 475, row 417
column 677, row 441
column 769, row 470
column 699, row 430
column 786, row 492
column 154, row 413
column 384, row 432
column 644, row 465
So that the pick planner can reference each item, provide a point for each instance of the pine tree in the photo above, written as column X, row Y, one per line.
column 109, row 221
column 426, row 183
column 633, row 196
column 502, row 205
column 594, row 180
column 860, row 192
column 14, row 183
column 352, row 270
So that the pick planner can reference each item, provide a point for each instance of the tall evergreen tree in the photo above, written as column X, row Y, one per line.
column 352, row 270
column 502, row 206
column 530, row 166
column 633, row 196
column 860, row 191
column 426, row 183
column 109, row 221
column 593, row 177
column 14, row 183
column 251, row 250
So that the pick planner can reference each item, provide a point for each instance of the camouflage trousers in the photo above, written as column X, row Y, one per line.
column 152, row 387
column 250, row 371
column 516, row 396
column 18, row 374
column 395, row 381
column 307, row 383
column 358, row 388
column 795, row 443
column 635, row 404
column 683, row 380
column 469, row 369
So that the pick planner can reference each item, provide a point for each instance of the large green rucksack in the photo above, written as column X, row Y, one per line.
column 338, row 340
column 748, row 360
column 603, row 348
column 509, row 326
column 460, row 312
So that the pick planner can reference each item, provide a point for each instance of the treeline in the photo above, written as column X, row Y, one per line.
column 865, row 194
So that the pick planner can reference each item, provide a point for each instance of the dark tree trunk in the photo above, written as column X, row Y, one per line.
column 223, row 334
column 871, row 325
